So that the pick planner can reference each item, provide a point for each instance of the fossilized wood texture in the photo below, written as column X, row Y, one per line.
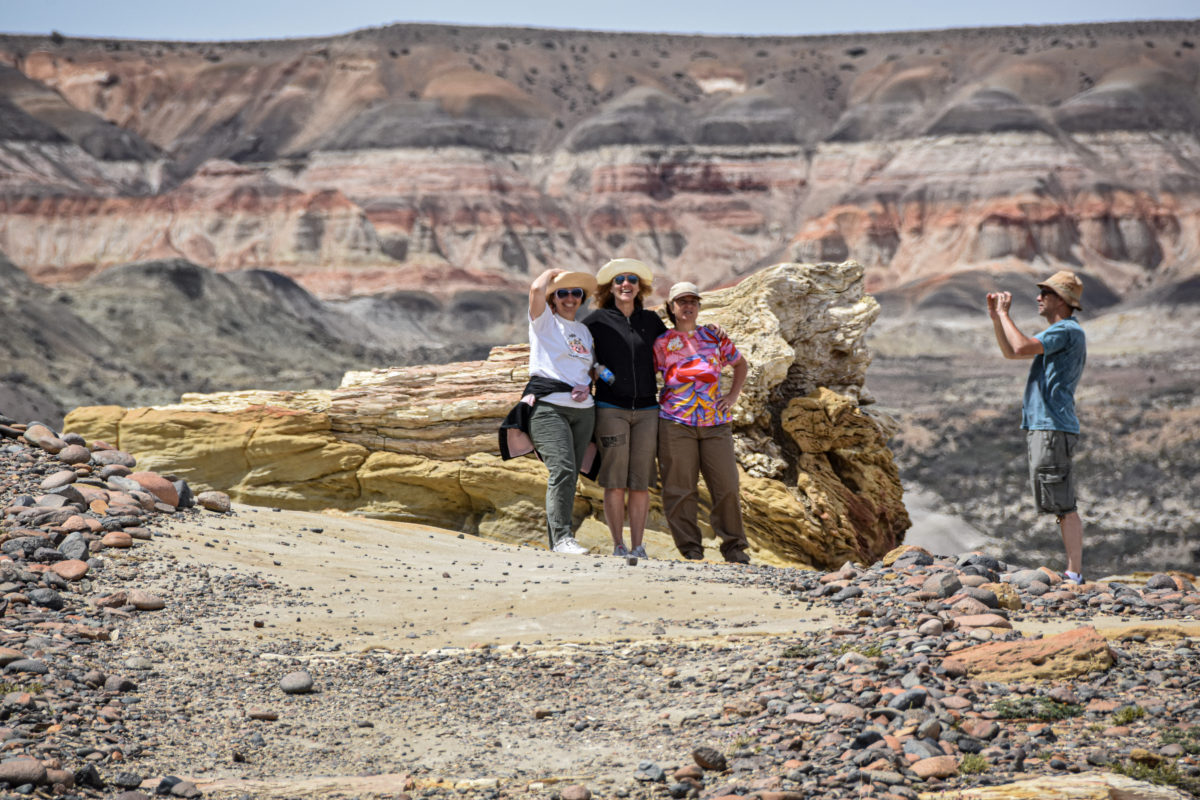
column 819, row 486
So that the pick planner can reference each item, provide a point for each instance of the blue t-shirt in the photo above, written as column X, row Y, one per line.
column 1050, row 391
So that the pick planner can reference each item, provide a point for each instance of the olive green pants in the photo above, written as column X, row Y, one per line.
column 561, row 436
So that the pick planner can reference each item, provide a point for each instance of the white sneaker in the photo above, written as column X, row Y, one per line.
column 569, row 545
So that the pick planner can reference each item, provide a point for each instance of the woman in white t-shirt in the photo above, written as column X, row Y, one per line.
column 560, row 352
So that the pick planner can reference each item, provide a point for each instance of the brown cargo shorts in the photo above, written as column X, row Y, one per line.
column 1050, row 473
column 628, row 441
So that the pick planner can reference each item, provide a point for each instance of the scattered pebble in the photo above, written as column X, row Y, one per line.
column 298, row 682
column 916, row 685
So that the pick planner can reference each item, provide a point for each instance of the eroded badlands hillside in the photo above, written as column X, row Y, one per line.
column 450, row 158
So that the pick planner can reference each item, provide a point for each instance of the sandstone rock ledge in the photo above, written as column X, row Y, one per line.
column 1087, row 786
column 418, row 444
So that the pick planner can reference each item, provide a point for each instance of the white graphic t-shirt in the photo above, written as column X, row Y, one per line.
column 560, row 349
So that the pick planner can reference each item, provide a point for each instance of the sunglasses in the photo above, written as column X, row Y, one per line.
column 576, row 293
column 1047, row 293
column 633, row 279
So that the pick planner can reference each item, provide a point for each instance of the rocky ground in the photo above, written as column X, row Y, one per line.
column 150, row 647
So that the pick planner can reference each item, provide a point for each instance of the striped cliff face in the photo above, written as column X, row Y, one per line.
column 363, row 163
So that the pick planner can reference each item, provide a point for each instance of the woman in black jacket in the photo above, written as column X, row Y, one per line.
column 623, row 333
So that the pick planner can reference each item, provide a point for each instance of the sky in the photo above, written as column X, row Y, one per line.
column 208, row 20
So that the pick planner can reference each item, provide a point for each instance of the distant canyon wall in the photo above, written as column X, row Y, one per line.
column 414, row 156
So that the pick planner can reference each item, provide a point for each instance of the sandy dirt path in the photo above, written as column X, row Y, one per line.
column 366, row 584
column 375, row 584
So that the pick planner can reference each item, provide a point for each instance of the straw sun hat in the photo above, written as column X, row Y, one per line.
column 624, row 266
column 1065, row 284
column 572, row 280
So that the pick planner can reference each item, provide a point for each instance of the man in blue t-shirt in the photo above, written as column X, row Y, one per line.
column 1048, row 409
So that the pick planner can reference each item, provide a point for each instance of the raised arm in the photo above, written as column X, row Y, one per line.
column 1013, row 343
column 537, row 292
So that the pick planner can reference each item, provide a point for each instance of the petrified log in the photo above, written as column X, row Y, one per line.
column 819, row 485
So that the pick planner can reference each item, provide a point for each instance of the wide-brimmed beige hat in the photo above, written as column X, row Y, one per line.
column 572, row 280
column 624, row 266
column 1065, row 284
column 681, row 289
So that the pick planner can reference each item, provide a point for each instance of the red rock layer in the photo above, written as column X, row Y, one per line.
column 368, row 160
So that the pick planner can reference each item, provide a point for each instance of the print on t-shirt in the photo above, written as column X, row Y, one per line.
column 576, row 344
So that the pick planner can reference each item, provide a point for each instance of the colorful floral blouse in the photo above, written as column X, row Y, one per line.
column 691, row 367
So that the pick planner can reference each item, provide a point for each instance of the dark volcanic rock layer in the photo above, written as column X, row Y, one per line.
column 142, row 333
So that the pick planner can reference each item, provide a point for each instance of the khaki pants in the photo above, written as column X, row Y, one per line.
column 685, row 452
column 627, row 442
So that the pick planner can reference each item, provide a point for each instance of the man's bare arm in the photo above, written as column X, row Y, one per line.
column 1013, row 343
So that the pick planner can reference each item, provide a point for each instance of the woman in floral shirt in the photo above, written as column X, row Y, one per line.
column 694, row 433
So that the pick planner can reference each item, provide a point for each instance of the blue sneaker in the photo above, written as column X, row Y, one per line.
column 619, row 550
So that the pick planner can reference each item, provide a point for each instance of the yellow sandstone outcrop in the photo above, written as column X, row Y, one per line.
column 819, row 485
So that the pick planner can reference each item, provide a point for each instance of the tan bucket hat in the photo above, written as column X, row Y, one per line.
column 682, row 288
column 624, row 266
column 1065, row 284
column 572, row 280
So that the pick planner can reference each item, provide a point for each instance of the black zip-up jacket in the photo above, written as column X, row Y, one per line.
column 626, row 346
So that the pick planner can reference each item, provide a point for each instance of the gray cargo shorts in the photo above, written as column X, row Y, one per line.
column 1050, row 474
